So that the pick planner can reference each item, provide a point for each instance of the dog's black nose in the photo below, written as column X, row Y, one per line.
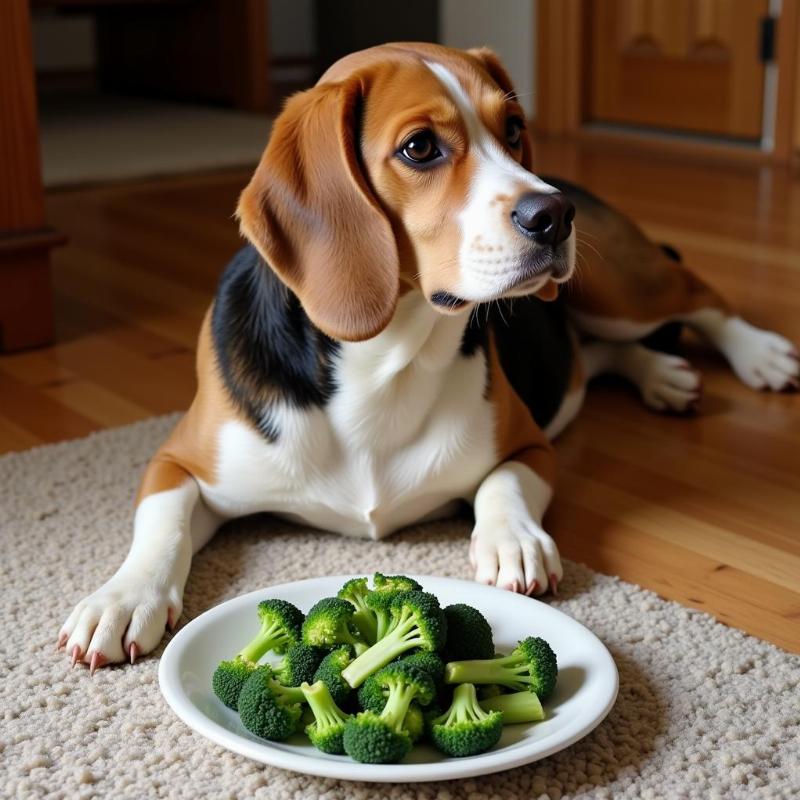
column 545, row 218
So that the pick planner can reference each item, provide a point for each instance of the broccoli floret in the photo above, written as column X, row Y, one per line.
column 374, row 738
column 327, row 730
column 488, row 690
column 329, row 672
column 416, row 621
column 380, row 605
column 228, row 679
column 516, row 707
column 394, row 583
column 531, row 666
column 368, row 739
column 280, row 629
column 356, row 592
column 267, row 708
column 465, row 729
column 372, row 697
column 299, row 664
column 329, row 623
column 469, row 635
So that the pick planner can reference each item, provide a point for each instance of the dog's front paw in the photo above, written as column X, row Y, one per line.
column 516, row 555
column 760, row 359
column 123, row 619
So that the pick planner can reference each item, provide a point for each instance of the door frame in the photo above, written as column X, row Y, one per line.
column 562, row 94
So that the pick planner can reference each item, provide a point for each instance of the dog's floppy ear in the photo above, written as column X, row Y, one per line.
column 310, row 212
column 497, row 72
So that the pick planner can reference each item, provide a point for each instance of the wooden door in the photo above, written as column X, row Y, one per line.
column 691, row 65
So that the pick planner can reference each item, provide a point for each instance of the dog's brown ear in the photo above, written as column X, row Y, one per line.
column 497, row 72
column 309, row 211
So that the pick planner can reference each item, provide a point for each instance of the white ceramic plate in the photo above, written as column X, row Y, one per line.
column 585, row 693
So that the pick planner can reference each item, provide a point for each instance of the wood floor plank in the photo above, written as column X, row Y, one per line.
column 37, row 414
column 694, row 534
column 95, row 402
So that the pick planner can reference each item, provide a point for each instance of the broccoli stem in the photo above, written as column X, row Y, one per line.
column 396, row 708
column 267, row 638
column 464, row 708
column 365, row 621
column 511, row 671
column 287, row 694
column 516, row 707
column 326, row 713
column 403, row 636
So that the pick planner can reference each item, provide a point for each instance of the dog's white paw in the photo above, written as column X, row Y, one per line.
column 516, row 555
column 666, row 382
column 760, row 359
column 123, row 619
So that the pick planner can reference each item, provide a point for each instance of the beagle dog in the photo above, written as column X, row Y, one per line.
column 383, row 348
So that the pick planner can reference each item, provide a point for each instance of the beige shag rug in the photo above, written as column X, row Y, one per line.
column 704, row 711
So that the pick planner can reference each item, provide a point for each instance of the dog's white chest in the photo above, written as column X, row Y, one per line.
column 398, row 442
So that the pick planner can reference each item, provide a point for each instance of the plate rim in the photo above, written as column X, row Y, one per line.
column 177, row 699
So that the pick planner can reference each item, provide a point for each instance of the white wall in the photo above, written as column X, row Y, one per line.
column 507, row 26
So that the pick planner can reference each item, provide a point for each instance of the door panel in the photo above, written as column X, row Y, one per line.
column 680, row 64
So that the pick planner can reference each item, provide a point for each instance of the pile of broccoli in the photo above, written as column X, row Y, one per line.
column 374, row 670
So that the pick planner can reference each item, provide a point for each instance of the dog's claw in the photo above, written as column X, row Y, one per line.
column 76, row 654
column 554, row 584
column 170, row 619
column 532, row 588
column 98, row 659
column 62, row 640
column 133, row 652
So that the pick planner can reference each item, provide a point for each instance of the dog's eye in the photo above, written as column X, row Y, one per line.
column 514, row 128
column 420, row 148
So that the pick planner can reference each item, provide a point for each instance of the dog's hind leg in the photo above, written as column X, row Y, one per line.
column 665, row 382
column 618, row 303
column 127, row 616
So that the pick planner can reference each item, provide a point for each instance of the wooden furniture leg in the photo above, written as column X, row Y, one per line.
column 26, row 301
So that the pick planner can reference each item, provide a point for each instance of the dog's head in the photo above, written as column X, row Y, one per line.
column 407, row 164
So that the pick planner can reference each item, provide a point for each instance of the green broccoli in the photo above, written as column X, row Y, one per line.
column 299, row 664
column 380, row 598
column 416, row 621
column 372, row 697
column 373, row 738
column 516, row 707
column 329, row 672
column 356, row 592
column 267, row 708
column 414, row 723
column 280, row 629
column 380, row 605
column 327, row 730
column 329, row 623
column 469, row 635
column 487, row 690
column 394, row 583
column 465, row 729
column 531, row 666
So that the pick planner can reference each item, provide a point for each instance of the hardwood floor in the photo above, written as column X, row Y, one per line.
column 705, row 510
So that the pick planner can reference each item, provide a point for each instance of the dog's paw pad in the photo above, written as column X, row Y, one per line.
column 122, row 620
column 519, row 557
column 668, row 383
column 761, row 359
